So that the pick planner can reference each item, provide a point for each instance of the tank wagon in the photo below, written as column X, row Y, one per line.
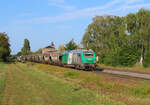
column 79, row 59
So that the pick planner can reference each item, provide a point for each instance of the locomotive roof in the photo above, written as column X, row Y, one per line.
column 76, row 51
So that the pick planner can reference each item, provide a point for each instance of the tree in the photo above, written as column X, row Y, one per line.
column 111, row 38
column 105, row 34
column 4, row 47
column 94, row 36
column 26, row 47
column 71, row 45
column 79, row 46
column 19, row 53
column 138, row 25
column 39, row 51
column 61, row 48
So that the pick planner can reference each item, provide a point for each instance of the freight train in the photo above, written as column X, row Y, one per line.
column 78, row 59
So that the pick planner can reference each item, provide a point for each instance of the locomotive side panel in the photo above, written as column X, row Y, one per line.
column 76, row 59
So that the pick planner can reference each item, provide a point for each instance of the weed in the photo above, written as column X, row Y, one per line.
column 98, row 83
column 87, row 79
column 70, row 74
column 141, row 91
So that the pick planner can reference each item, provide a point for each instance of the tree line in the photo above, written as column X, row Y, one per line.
column 120, row 41
column 117, row 41
column 26, row 49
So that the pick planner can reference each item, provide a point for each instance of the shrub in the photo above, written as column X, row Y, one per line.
column 4, row 47
column 146, row 61
column 124, row 56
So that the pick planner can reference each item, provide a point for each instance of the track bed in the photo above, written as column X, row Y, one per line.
column 124, row 73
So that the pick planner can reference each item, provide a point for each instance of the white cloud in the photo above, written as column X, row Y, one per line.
column 131, row 5
column 61, row 4
column 65, row 7
column 90, row 12
column 132, row 1
column 128, row 9
column 71, row 15
column 137, row 6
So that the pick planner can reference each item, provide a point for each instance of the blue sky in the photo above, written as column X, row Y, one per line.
column 43, row 21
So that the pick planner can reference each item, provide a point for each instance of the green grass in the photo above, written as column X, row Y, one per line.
column 128, row 92
column 40, row 84
column 141, row 91
column 70, row 74
column 67, row 94
column 22, row 84
column 87, row 79
column 2, row 66
column 2, row 80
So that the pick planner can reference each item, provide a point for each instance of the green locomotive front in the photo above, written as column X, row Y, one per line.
column 80, row 59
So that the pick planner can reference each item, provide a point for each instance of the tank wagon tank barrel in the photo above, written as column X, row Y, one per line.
column 79, row 59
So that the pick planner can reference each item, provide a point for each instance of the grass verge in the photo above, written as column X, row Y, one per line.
column 64, row 93
column 130, row 93
column 2, row 80
column 26, row 85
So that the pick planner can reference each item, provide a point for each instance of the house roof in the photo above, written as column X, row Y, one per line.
column 51, row 47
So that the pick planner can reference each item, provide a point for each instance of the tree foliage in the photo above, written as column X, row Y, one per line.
column 19, row 53
column 39, row 51
column 4, row 47
column 61, row 48
column 118, row 40
column 71, row 45
column 26, row 47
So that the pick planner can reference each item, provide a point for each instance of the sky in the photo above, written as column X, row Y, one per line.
column 44, row 21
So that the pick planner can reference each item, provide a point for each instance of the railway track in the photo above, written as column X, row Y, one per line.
column 123, row 74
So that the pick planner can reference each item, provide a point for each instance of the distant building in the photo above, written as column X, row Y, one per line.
column 49, row 49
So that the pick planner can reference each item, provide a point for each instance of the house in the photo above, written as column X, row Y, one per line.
column 49, row 49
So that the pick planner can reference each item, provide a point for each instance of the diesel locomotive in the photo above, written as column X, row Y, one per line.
column 79, row 59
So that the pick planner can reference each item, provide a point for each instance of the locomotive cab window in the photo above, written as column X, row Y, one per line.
column 88, row 54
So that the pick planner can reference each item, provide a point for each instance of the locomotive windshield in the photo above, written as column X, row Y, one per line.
column 88, row 54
